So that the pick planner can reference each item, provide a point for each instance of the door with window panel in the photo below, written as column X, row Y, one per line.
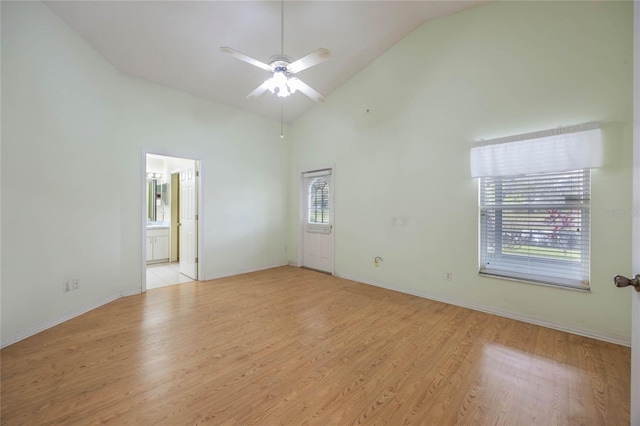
column 318, row 220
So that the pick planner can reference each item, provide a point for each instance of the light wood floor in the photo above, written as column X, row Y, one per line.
column 292, row 346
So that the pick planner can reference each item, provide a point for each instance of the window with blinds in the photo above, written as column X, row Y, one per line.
column 536, row 227
column 318, row 203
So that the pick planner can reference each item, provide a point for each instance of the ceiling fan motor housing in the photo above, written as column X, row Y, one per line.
column 275, row 60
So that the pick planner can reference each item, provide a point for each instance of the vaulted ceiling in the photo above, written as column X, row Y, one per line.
column 176, row 43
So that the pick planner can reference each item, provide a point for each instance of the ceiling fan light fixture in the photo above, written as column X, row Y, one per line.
column 280, row 84
column 293, row 84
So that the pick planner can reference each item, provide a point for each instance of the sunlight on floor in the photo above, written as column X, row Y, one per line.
column 517, row 375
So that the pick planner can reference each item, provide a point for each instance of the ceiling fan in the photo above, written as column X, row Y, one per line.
column 283, row 68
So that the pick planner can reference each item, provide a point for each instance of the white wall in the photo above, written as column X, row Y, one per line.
column 500, row 69
column 74, row 131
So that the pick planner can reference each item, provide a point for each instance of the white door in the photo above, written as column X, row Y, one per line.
column 188, row 223
column 317, row 223
column 635, row 317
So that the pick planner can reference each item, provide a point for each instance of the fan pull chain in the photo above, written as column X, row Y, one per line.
column 281, row 120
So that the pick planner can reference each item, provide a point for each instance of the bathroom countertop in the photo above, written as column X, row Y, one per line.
column 157, row 225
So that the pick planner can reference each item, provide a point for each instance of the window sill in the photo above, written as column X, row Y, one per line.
column 533, row 282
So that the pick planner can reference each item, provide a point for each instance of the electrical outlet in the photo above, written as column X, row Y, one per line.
column 75, row 284
column 448, row 276
column 66, row 286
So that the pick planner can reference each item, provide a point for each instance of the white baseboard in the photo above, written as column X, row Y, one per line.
column 77, row 312
column 247, row 271
column 66, row 317
column 607, row 337
column 131, row 292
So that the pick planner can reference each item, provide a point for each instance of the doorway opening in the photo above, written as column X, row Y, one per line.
column 171, row 220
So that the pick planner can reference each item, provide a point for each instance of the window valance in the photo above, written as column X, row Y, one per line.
column 556, row 150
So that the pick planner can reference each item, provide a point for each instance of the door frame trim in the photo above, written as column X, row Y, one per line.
column 143, row 215
column 301, row 214
column 635, row 249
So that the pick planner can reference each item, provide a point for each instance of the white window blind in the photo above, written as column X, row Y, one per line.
column 318, row 205
column 536, row 227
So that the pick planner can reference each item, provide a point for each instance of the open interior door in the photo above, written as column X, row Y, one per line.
column 188, row 222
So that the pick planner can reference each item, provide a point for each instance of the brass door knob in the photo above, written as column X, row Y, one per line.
column 621, row 281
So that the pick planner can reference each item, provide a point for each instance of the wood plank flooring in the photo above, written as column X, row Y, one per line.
column 292, row 346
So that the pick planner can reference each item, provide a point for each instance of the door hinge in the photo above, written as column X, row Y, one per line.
column 196, row 260
column 197, row 173
column 196, row 217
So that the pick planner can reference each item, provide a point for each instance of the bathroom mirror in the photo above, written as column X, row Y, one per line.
column 157, row 200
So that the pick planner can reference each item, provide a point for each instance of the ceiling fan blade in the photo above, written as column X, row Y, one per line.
column 258, row 90
column 310, row 60
column 245, row 58
column 304, row 88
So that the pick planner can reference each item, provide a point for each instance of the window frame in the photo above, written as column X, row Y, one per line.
column 512, row 266
column 312, row 202
column 308, row 181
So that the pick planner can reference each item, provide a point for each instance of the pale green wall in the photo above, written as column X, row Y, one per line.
column 59, row 221
column 74, row 130
column 72, row 123
column 244, row 172
column 500, row 69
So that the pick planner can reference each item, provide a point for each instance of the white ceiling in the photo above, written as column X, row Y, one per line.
column 176, row 43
